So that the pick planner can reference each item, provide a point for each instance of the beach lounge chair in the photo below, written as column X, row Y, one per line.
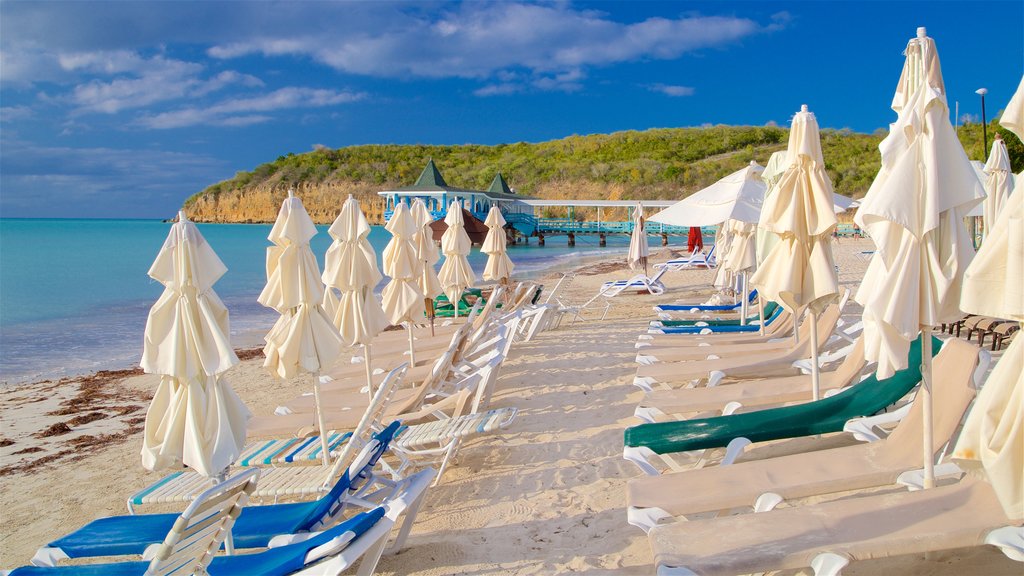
column 769, row 310
column 363, row 536
column 730, row 398
column 255, row 526
column 780, row 327
column 696, row 308
column 778, row 362
column 699, row 259
column 640, row 282
column 291, row 481
column 705, row 326
column 826, row 537
column 735, row 431
column 763, row 484
column 187, row 544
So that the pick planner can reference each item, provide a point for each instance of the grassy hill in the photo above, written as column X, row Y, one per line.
column 666, row 163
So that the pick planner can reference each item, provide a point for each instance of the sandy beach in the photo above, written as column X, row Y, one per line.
column 545, row 497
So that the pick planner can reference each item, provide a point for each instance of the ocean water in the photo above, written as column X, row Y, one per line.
column 74, row 294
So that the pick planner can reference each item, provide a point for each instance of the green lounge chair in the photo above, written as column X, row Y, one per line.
column 735, row 431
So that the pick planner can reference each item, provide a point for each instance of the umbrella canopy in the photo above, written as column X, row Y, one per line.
column 638, row 247
column 914, row 213
column 993, row 435
column 1013, row 117
column 403, row 301
column 426, row 251
column 350, row 266
column 195, row 418
column 738, row 196
column 999, row 182
column 455, row 274
column 499, row 266
column 303, row 340
column 800, row 269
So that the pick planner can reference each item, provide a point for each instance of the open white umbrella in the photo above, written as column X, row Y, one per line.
column 999, row 182
column 303, row 340
column 639, row 250
column 402, row 299
column 1013, row 116
column 738, row 196
column 195, row 418
column 914, row 213
column 455, row 275
column 427, row 254
column 993, row 435
column 499, row 267
column 800, row 270
column 350, row 266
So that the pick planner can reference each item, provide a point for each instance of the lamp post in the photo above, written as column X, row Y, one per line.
column 984, row 124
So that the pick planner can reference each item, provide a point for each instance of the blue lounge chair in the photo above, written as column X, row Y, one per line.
column 328, row 552
column 751, row 298
column 256, row 525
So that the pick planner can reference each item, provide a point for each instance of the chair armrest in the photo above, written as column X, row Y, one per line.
column 870, row 428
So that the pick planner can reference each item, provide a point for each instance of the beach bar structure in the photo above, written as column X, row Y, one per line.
column 521, row 212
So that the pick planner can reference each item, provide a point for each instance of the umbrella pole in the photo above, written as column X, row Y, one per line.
column 926, row 404
column 369, row 370
column 743, row 295
column 412, row 349
column 796, row 327
column 760, row 312
column 815, row 369
column 321, row 422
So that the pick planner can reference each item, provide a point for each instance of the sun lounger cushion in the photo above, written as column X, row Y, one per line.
column 826, row 415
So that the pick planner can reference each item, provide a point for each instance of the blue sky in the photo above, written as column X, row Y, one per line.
column 124, row 109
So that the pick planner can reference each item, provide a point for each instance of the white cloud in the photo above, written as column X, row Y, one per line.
column 15, row 113
column 244, row 111
column 674, row 91
column 484, row 40
column 141, row 82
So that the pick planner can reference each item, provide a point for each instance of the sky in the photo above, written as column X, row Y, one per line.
column 124, row 109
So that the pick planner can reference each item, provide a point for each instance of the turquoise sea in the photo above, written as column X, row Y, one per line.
column 74, row 294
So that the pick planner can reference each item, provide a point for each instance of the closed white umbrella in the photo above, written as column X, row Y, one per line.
column 428, row 256
column 738, row 196
column 741, row 258
column 639, row 250
column 914, row 213
column 402, row 299
column 992, row 439
column 455, row 275
column 303, row 340
column 350, row 266
column 800, row 270
column 195, row 418
column 999, row 182
column 499, row 267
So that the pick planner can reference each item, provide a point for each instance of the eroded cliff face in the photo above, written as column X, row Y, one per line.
column 261, row 203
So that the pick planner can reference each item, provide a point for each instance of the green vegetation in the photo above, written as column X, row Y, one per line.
column 661, row 163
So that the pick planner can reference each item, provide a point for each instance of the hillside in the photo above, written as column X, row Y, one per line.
column 652, row 164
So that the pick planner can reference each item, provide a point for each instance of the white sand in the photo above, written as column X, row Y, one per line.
column 546, row 497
